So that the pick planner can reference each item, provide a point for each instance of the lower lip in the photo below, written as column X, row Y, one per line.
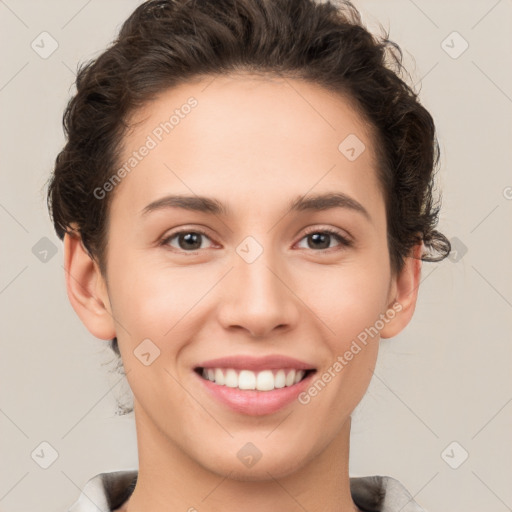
column 253, row 402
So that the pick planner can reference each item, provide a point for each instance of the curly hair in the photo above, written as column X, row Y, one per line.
column 164, row 43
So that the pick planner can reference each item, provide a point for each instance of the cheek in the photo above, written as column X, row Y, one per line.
column 349, row 304
column 150, row 299
column 347, row 299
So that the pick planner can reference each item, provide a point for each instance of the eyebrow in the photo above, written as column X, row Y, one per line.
column 210, row 205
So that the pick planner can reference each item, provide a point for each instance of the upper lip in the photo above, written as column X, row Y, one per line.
column 274, row 361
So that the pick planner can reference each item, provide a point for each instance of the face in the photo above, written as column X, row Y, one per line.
column 261, row 269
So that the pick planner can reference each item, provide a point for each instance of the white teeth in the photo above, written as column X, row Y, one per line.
column 219, row 377
column 247, row 380
column 231, row 379
column 298, row 376
column 290, row 378
column 266, row 380
column 280, row 379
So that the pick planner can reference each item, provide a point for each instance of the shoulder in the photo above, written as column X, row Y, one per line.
column 105, row 492
column 382, row 494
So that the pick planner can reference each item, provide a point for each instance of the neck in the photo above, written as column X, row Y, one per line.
column 169, row 479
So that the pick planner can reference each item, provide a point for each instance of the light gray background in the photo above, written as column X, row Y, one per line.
column 445, row 378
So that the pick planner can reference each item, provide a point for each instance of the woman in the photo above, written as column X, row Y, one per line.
column 245, row 199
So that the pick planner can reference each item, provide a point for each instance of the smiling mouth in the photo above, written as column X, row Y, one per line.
column 264, row 380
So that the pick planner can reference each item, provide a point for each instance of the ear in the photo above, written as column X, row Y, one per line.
column 87, row 290
column 403, row 293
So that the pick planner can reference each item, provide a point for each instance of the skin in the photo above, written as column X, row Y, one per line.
column 254, row 144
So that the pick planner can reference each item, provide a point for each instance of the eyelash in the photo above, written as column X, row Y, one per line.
column 343, row 241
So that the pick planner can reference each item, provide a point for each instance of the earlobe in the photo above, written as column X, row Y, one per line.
column 405, row 286
column 86, row 289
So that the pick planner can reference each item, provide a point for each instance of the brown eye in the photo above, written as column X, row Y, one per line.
column 187, row 240
column 321, row 239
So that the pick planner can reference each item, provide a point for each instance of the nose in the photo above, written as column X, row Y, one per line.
column 259, row 298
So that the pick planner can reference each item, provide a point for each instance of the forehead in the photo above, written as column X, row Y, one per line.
column 246, row 136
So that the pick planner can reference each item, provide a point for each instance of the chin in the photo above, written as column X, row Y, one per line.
column 262, row 470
